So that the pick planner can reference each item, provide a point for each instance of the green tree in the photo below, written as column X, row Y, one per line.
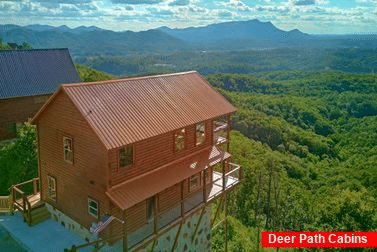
column 18, row 159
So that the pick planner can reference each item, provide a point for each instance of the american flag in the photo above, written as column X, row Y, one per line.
column 95, row 229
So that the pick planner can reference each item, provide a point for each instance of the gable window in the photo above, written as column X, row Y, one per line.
column 180, row 140
column 151, row 203
column 68, row 149
column 200, row 133
column 126, row 156
column 51, row 188
column 93, row 207
column 194, row 182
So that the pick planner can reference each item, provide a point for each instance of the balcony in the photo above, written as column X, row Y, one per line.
column 196, row 200
column 220, row 132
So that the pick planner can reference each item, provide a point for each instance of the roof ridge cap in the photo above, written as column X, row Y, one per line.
column 125, row 79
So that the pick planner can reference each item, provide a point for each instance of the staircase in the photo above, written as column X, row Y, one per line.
column 28, row 202
column 38, row 213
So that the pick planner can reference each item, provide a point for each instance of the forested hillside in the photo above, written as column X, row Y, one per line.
column 308, row 147
column 350, row 60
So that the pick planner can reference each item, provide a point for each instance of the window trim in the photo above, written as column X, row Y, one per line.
column 196, row 134
column 48, row 187
column 90, row 207
column 64, row 149
column 133, row 156
column 175, row 138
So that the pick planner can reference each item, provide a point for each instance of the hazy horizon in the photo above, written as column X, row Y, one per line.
column 317, row 17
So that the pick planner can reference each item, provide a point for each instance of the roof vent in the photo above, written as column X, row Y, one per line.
column 193, row 165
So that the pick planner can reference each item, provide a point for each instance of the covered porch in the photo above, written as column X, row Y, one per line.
column 195, row 202
column 185, row 202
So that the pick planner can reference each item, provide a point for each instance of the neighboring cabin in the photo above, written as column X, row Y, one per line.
column 27, row 80
column 140, row 150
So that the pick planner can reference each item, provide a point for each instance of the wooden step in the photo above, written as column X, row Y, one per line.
column 38, row 210
column 38, row 214
column 40, row 218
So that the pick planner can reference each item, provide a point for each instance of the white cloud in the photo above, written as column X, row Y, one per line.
column 304, row 2
column 63, row 1
column 179, row 3
column 225, row 14
column 160, row 11
column 9, row 6
column 137, row 1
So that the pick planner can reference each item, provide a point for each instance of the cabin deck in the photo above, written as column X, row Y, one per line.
column 33, row 199
column 217, row 186
column 190, row 204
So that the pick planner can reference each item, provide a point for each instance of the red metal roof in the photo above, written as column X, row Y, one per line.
column 129, row 110
column 133, row 191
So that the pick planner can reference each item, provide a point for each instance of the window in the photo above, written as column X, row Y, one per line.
column 194, row 182
column 68, row 149
column 200, row 133
column 51, row 188
column 179, row 140
column 126, row 156
column 93, row 207
column 151, row 203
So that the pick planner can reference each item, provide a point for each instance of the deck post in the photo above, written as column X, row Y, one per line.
column 13, row 197
column 11, row 208
column 205, row 186
column 240, row 174
column 224, row 180
column 217, row 211
column 125, row 235
column 177, row 236
column 155, row 230
column 182, row 197
column 198, row 224
column 227, row 133
column 35, row 191
column 226, row 223
column 154, row 243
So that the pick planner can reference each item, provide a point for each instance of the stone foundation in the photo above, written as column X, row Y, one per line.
column 70, row 224
column 201, row 243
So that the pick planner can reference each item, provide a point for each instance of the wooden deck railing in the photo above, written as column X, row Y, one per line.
column 5, row 203
column 220, row 132
column 19, row 198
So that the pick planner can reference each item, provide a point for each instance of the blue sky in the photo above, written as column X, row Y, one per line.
column 310, row 16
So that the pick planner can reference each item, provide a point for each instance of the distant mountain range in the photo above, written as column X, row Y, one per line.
column 83, row 41
column 241, row 35
column 252, row 29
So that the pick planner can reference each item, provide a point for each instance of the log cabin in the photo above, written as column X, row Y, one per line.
column 27, row 79
column 136, row 161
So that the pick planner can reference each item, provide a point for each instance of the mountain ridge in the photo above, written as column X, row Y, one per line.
column 233, row 30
